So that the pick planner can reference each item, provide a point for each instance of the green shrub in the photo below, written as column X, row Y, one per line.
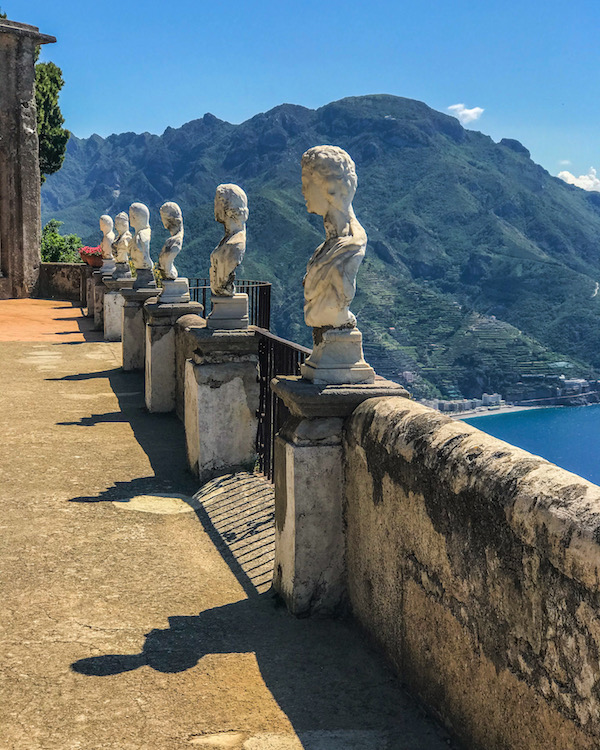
column 58, row 249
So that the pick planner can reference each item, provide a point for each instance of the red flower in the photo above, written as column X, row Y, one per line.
column 87, row 250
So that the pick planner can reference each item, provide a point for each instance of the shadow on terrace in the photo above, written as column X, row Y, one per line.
column 326, row 679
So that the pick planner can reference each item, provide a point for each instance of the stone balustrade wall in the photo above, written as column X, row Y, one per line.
column 66, row 281
column 476, row 567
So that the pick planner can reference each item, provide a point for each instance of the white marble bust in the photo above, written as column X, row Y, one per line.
column 329, row 183
column 122, row 244
column 231, row 210
column 172, row 219
column 106, row 226
column 139, row 217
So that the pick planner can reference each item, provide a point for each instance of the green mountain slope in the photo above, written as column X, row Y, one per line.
column 465, row 235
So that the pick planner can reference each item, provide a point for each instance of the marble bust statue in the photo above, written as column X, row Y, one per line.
column 231, row 210
column 329, row 183
column 122, row 246
column 139, row 217
column 106, row 226
column 172, row 219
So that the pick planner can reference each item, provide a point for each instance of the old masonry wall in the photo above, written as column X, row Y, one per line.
column 475, row 565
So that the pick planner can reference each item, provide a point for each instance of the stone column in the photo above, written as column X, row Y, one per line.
column 221, row 402
column 310, row 570
column 113, row 307
column 99, row 290
column 160, row 370
column 20, row 217
column 134, row 327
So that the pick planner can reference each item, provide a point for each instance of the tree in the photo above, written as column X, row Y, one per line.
column 52, row 136
column 56, row 248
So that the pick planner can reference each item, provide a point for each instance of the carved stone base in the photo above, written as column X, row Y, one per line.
column 160, row 369
column 122, row 271
column 113, row 307
column 134, row 327
column 338, row 359
column 229, row 313
column 108, row 267
column 144, row 279
column 221, row 402
column 99, row 292
column 174, row 291
column 310, row 567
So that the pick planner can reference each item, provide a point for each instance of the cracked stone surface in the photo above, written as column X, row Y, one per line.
column 155, row 631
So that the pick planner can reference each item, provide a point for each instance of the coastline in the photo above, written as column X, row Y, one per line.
column 483, row 412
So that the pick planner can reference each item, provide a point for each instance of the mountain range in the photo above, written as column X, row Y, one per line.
column 481, row 267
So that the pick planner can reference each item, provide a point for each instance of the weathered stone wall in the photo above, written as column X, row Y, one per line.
column 476, row 566
column 19, row 160
column 64, row 281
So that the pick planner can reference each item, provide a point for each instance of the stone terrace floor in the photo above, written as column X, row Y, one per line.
column 135, row 607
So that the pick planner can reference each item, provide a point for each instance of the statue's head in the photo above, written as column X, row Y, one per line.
column 171, row 216
column 328, row 179
column 106, row 224
column 139, row 216
column 122, row 222
column 231, row 202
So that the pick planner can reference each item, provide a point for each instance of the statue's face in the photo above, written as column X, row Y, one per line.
column 315, row 193
column 105, row 225
column 121, row 225
column 219, row 209
column 136, row 219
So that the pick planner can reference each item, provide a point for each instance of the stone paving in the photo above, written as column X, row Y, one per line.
column 135, row 606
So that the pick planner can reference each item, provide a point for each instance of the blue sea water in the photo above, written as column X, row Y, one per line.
column 568, row 436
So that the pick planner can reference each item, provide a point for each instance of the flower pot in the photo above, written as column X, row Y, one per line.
column 92, row 260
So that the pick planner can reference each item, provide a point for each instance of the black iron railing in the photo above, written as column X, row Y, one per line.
column 276, row 356
column 259, row 298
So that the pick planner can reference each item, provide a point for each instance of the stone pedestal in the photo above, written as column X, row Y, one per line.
column 94, row 298
column 337, row 358
column 175, row 291
column 113, row 307
column 160, row 367
column 221, row 402
column 90, row 292
column 144, row 279
column 108, row 267
column 100, row 290
column 20, row 221
column 229, row 313
column 122, row 272
column 134, row 328
column 310, row 571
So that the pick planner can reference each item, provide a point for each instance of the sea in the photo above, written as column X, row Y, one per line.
column 569, row 436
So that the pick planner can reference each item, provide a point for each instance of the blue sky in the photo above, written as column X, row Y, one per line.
column 531, row 66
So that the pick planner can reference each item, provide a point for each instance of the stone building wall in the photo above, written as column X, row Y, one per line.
column 476, row 566
column 19, row 160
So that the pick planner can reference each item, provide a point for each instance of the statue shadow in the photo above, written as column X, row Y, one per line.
column 323, row 674
column 161, row 437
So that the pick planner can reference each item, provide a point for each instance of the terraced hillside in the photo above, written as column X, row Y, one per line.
column 481, row 266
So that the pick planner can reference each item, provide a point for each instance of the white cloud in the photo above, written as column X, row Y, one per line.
column 587, row 181
column 466, row 115
column 564, row 162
